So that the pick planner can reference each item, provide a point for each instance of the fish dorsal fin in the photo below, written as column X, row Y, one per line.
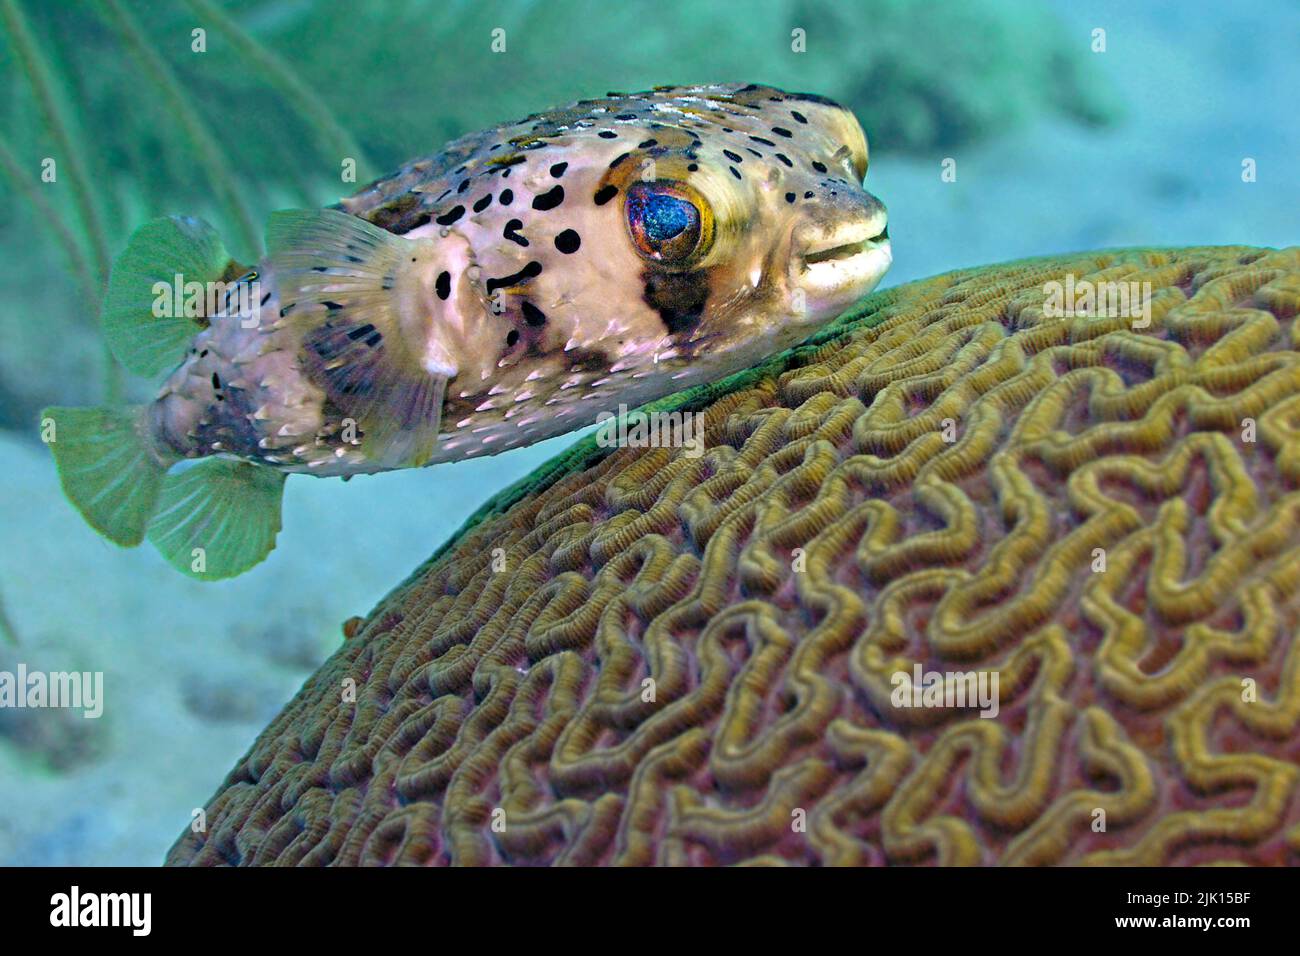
column 142, row 325
column 362, row 299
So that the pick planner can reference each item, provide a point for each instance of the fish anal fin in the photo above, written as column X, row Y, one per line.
column 218, row 518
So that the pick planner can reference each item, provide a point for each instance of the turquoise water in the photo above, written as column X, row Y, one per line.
column 1056, row 146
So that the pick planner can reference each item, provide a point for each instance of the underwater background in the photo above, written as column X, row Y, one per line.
column 1068, row 126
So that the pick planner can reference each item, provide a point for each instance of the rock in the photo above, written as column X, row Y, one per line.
column 291, row 640
column 226, row 698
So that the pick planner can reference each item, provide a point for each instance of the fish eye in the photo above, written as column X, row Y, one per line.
column 666, row 220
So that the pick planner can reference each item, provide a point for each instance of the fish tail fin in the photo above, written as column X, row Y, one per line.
column 362, row 298
column 218, row 518
column 108, row 468
column 213, row 520
column 140, row 316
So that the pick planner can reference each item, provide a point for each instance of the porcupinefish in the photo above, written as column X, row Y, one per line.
column 508, row 289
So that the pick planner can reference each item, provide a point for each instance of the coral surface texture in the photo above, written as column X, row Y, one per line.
column 647, row 655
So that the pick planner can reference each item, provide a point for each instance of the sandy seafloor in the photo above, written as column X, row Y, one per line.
column 193, row 671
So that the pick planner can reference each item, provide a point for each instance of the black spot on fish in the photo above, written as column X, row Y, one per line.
column 587, row 360
column 568, row 241
column 549, row 199
column 604, row 194
column 799, row 117
column 789, row 197
column 216, row 381
column 558, row 169
column 765, row 142
column 530, row 271
column 332, row 306
column 625, row 116
column 483, row 203
column 533, row 315
column 512, row 337
column 785, row 159
column 808, row 194
column 506, row 198
column 692, row 168
column 782, row 131
column 607, row 134
column 396, row 214
column 442, row 285
column 678, row 297
column 753, row 152
column 450, row 216
column 647, row 144
column 734, row 157
column 361, row 331
column 464, row 185
column 618, row 159
column 734, row 171
column 513, row 236
column 819, row 166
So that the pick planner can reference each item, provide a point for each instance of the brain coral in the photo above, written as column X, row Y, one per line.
column 1108, row 521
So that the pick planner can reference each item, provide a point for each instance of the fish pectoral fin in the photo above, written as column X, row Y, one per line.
column 361, row 299
column 218, row 518
column 144, row 328
column 402, row 429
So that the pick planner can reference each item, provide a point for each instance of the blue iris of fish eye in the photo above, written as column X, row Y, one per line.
column 662, row 216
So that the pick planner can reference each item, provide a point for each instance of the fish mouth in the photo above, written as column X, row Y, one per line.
column 842, row 263
column 846, row 250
